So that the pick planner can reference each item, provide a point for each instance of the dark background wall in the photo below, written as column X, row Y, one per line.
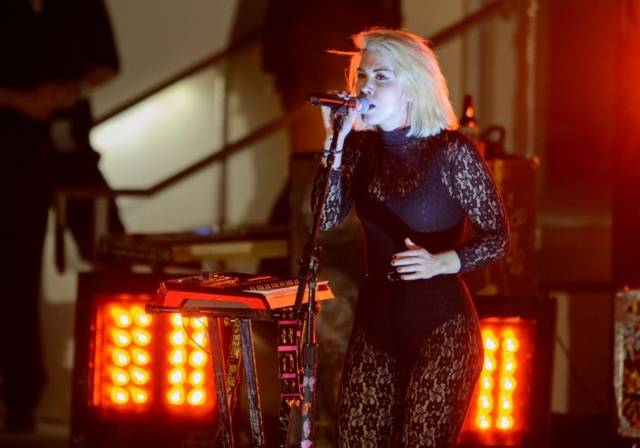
column 626, row 206
column 580, row 92
column 577, row 125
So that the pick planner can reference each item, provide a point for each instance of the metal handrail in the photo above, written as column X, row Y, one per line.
column 222, row 154
column 206, row 62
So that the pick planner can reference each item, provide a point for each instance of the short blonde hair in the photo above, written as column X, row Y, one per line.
column 419, row 75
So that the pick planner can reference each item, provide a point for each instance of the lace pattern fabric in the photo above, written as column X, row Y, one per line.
column 392, row 167
column 433, row 393
column 469, row 180
column 341, row 182
column 405, row 163
column 370, row 395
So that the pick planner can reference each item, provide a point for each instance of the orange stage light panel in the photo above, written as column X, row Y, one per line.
column 499, row 411
column 143, row 364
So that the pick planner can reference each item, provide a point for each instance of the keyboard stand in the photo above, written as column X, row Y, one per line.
column 253, row 397
column 239, row 296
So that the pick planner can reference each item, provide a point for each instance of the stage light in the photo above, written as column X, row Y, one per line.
column 509, row 365
column 120, row 377
column 188, row 360
column 122, row 318
column 177, row 376
column 178, row 337
column 178, row 357
column 489, row 363
column 140, row 356
column 139, row 396
column 121, row 338
column 196, row 378
column 505, row 422
column 127, row 350
column 197, row 359
column 502, row 340
column 176, row 396
column 506, row 402
column 483, row 422
column 490, row 341
column 134, row 374
column 511, row 401
column 486, row 382
column 508, row 383
column 140, row 317
column 121, row 358
column 511, row 343
column 118, row 341
column 141, row 337
column 485, row 402
column 200, row 338
column 139, row 376
column 197, row 397
column 177, row 320
column 119, row 395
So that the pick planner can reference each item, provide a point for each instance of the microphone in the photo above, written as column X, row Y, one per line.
column 331, row 99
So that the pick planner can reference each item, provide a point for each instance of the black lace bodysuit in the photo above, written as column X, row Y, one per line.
column 415, row 350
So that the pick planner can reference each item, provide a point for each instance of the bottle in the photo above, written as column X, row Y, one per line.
column 469, row 124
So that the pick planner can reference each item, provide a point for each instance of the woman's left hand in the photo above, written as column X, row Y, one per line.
column 417, row 263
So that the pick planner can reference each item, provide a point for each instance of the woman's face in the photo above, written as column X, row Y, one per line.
column 377, row 81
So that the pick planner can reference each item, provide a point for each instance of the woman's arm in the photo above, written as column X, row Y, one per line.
column 341, row 175
column 471, row 183
column 341, row 183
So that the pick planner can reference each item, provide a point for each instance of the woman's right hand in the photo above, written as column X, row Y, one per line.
column 329, row 116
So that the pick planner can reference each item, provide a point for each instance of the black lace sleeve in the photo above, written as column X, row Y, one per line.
column 471, row 183
column 341, row 184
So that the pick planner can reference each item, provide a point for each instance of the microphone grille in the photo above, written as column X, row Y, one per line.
column 363, row 105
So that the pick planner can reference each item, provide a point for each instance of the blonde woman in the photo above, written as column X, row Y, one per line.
column 415, row 351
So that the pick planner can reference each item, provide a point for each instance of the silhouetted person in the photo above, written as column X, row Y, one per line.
column 54, row 52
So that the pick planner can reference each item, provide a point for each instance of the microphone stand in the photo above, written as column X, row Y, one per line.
column 308, row 278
